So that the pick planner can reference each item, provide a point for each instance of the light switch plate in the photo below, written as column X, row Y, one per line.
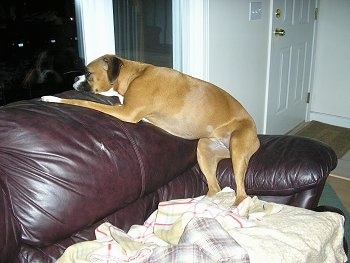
column 255, row 11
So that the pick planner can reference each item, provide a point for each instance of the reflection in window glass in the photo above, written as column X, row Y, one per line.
column 39, row 54
column 143, row 30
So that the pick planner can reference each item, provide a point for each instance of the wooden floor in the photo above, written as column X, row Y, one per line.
column 342, row 188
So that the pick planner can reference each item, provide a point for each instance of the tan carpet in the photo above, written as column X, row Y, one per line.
column 336, row 137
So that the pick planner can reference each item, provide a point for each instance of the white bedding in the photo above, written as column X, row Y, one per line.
column 206, row 229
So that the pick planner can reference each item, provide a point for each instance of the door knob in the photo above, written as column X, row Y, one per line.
column 279, row 32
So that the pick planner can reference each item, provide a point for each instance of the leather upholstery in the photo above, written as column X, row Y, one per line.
column 65, row 169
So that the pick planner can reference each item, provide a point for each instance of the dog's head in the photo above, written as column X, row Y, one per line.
column 101, row 74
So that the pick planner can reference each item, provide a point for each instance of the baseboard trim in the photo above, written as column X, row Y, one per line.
column 330, row 119
column 339, row 177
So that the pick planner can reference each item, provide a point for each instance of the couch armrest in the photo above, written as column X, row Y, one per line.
column 286, row 169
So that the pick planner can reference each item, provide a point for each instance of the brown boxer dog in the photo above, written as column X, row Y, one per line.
column 179, row 104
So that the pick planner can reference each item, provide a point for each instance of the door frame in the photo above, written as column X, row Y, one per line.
column 313, row 50
column 191, row 37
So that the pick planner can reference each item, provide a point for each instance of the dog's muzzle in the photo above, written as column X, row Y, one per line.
column 81, row 84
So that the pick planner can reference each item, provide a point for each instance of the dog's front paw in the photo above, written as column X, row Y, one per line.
column 51, row 99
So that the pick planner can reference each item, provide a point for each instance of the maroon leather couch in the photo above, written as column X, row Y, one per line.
column 64, row 170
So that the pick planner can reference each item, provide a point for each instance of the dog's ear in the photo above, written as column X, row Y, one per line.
column 112, row 65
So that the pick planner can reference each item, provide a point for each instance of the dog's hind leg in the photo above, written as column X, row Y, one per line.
column 209, row 152
column 243, row 144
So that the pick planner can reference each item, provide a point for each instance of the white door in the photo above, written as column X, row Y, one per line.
column 290, row 64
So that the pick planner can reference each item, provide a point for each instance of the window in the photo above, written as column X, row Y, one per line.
column 143, row 30
column 134, row 29
column 59, row 37
column 184, row 38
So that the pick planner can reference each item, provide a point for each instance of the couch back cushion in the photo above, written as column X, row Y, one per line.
column 65, row 167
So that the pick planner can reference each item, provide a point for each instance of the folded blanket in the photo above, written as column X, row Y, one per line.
column 207, row 229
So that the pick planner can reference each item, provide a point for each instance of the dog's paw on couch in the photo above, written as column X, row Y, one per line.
column 51, row 99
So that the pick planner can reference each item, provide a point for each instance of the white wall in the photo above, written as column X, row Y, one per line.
column 238, row 53
column 330, row 101
column 241, row 70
